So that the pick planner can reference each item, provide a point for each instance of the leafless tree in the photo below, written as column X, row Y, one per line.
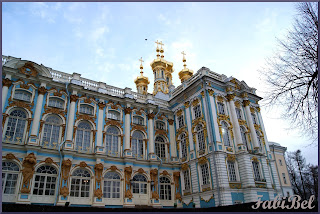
column 292, row 73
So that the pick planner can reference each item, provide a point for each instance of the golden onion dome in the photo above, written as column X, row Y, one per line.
column 185, row 73
column 141, row 80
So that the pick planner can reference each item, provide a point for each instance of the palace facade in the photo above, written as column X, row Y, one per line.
column 70, row 139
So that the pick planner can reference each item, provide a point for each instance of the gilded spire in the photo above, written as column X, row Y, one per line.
column 185, row 73
column 161, row 49
column 142, row 81
column 158, row 50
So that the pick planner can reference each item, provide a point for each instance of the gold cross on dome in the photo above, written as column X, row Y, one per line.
column 157, row 43
column 141, row 60
column 183, row 53
column 160, row 43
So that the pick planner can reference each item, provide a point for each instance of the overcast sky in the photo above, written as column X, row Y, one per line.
column 104, row 42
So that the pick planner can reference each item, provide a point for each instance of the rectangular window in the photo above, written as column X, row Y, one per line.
column 197, row 111
column 205, row 174
column 256, row 171
column 138, row 120
column 181, row 121
column 254, row 120
column 55, row 102
column 284, row 178
column 186, row 180
column 86, row 109
column 232, row 171
column 220, row 108
column 160, row 125
column 22, row 95
column 238, row 112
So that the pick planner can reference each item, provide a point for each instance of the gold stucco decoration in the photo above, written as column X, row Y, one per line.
column 254, row 159
column 195, row 102
column 10, row 156
column 220, row 98
column 179, row 113
column 202, row 160
column 231, row 157
column 64, row 191
column 6, row 82
column 211, row 92
column 98, row 193
column 237, row 104
column 246, row 103
column 66, row 165
column 28, row 171
column 28, row 69
column 184, row 167
column 127, row 174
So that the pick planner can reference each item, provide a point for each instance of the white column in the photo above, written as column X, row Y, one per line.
column 127, row 148
column 214, row 116
column 100, row 127
column 36, row 120
column 73, row 99
column 189, row 125
column 262, row 127
column 150, row 133
column 6, row 83
column 172, row 139
column 234, row 120
column 250, row 123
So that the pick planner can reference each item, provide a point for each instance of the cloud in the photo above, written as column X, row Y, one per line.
column 268, row 22
column 46, row 11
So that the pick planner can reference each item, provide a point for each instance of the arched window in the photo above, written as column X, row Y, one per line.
column 220, row 108
column 180, row 121
column 165, row 188
column 184, row 151
column 112, row 141
column 232, row 171
column 56, row 102
column 259, row 139
column 205, row 174
column 162, row 75
column 80, row 183
column 139, row 184
column 20, row 94
column 111, row 185
column 10, row 172
column 201, row 141
column 45, row 181
column 186, row 179
column 225, row 134
column 138, row 120
column 160, row 147
column 113, row 115
column 160, row 125
column 254, row 119
column 51, row 131
column 238, row 112
column 244, row 137
column 137, row 144
column 197, row 111
column 86, row 109
column 83, row 137
column 16, row 126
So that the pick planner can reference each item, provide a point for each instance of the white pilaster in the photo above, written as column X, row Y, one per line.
column 127, row 148
column 214, row 115
column 37, row 114
column 100, row 127
column 250, row 123
column 189, row 125
column 69, row 135
column 6, row 83
column 151, row 135
column 235, row 122
column 264, row 131
column 172, row 139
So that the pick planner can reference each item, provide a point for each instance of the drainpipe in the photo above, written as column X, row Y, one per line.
column 158, row 173
column 60, row 154
column 212, row 146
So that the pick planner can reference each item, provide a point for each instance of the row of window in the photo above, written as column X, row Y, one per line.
column 51, row 134
column 45, row 180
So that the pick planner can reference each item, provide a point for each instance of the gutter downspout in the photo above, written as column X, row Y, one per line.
column 158, row 173
column 212, row 146
column 60, row 154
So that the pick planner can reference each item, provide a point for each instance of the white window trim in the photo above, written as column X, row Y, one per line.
column 60, row 129
column 91, row 137
column 19, row 83
column 113, row 201
column 110, row 109
column 56, row 97
column 6, row 125
column 12, row 197
column 184, row 190
column 201, row 178
column 141, row 116
column 160, row 121
column 119, row 141
column 84, row 200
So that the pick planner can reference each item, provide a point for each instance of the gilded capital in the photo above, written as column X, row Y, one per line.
column 252, row 110
column 6, row 82
column 101, row 105
column 170, row 121
column 258, row 109
column 220, row 99
column 202, row 93
column 187, row 104
column 230, row 97
column 127, row 110
column 237, row 104
column 42, row 90
column 151, row 116
column 211, row 92
column 246, row 103
column 73, row 98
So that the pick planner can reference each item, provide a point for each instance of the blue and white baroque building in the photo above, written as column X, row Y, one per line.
column 70, row 139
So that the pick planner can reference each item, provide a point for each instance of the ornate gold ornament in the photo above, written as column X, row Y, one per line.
column 235, row 185
column 206, row 189
column 86, row 117
column 127, row 110
column 83, row 164
column 150, row 116
column 237, row 104
column 28, row 69
column 246, row 103
column 202, row 160
column 178, row 196
column 113, row 168
column 28, row 171
column 48, row 160
column 10, row 156
column 138, row 127
column 186, row 105
column 170, row 121
column 176, row 176
column 236, row 85
column 98, row 193
column 208, row 199
column 42, row 90
column 128, row 194
column 195, row 102
column 73, row 98
column 252, row 110
column 164, row 172
column 6, row 82
column 229, row 149
column 64, row 191
column 184, row 167
column 228, row 89
column 155, row 195
column 230, row 97
column 211, row 92
column 220, row 99
column 179, row 113
column 127, row 174
column 29, row 123
column 258, row 109
column 231, row 157
column 202, row 93
column 101, row 105
column 4, row 117
column 66, row 165
column 20, row 104
column 255, row 159
column 98, row 168
column 161, row 132
column 244, row 95
column 140, row 170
